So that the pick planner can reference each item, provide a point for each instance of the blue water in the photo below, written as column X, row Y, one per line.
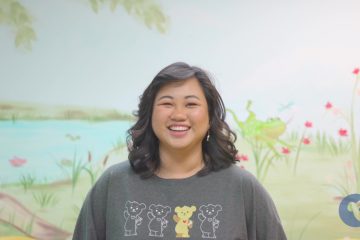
column 45, row 143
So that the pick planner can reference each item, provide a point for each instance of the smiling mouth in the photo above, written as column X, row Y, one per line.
column 179, row 128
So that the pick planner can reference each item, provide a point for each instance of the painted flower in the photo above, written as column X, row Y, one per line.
column 285, row 150
column 306, row 141
column 241, row 157
column 343, row 132
column 356, row 71
column 17, row 161
column 328, row 105
column 244, row 157
column 308, row 124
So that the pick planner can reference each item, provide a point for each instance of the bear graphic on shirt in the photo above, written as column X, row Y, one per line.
column 209, row 223
column 183, row 222
column 158, row 223
column 132, row 217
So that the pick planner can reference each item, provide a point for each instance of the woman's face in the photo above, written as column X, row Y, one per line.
column 180, row 117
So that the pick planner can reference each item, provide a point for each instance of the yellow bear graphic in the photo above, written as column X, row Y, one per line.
column 183, row 222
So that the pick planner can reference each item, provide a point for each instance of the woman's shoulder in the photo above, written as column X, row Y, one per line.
column 239, row 177
column 116, row 170
column 237, row 173
column 249, row 184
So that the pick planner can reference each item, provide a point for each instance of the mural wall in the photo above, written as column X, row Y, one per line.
column 71, row 73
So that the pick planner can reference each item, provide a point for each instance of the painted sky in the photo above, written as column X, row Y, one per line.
column 274, row 52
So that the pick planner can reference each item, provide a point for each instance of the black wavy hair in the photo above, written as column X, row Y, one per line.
column 143, row 145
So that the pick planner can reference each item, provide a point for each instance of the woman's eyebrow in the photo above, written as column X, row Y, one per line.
column 170, row 97
column 192, row 96
column 166, row 96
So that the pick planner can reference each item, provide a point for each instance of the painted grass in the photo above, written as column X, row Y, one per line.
column 307, row 201
column 306, row 204
column 27, row 181
column 15, row 111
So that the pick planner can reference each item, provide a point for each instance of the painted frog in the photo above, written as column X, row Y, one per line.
column 267, row 132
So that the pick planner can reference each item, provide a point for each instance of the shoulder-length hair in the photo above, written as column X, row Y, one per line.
column 218, row 152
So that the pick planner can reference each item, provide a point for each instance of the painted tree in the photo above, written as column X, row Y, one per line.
column 16, row 16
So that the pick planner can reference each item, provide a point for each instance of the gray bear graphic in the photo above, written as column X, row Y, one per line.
column 209, row 223
column 158, row 223
column 132, row 218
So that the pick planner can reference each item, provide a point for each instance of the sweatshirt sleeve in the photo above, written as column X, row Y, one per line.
column 262, row 219
column 91, row 223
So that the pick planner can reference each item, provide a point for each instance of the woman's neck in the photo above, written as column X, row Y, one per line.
column 177, row 164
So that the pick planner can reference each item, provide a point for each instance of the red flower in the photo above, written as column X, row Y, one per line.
column 328, row 105
column 343, row 132
column 308, row 124
column 17, row 162
column 306, row 141
column 241, row 157
column 285, row 150
column 356, row 71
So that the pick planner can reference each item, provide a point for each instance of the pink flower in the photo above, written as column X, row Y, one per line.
column 308, row 124
column 285, row 150
column 343, row 132
column 17, row 162
column 242, row 167
column 328, row 105
column 356, row 71
column 306, row 141
column 242, row 157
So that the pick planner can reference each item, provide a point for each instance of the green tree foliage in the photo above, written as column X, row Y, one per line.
column 147, row 11
column 15, row 15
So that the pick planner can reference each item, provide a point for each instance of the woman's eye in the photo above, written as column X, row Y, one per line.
column 166, row 104
column 191, row 104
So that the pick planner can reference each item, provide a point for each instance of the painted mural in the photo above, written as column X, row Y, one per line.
column 71, row 73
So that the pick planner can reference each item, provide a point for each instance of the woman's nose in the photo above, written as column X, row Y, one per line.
column 178, row 114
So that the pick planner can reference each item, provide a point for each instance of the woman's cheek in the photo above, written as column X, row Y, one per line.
column 199, row 114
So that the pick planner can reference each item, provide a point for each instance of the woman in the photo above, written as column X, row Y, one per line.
column 181, row 180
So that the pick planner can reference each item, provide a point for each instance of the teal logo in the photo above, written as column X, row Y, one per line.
column 349, row 210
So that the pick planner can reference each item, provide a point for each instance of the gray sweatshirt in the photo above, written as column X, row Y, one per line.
column 228, row 204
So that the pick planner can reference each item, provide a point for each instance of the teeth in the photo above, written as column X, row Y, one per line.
column 179, row 128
